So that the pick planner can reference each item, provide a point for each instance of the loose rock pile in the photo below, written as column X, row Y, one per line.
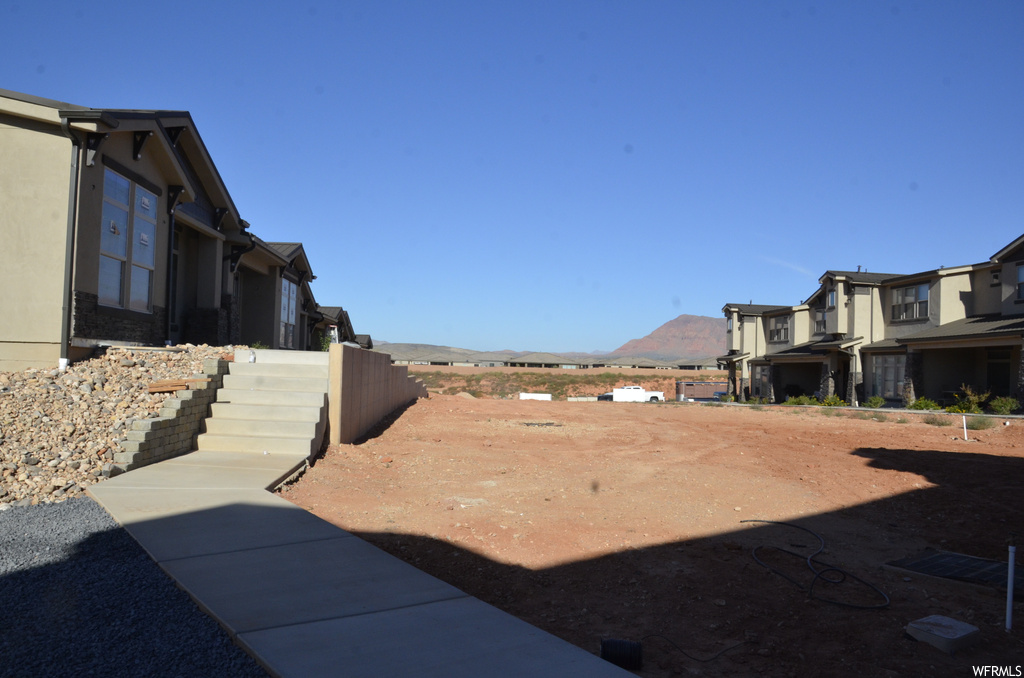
column 59, row 430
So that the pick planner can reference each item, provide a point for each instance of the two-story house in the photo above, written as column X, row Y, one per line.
column 899, row 336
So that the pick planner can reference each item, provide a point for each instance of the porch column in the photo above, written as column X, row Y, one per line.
column 913, row 377
column 731, row 388
column 827, row 384
column 773, row 378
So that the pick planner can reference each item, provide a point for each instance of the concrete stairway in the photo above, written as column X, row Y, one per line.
column 275, row 405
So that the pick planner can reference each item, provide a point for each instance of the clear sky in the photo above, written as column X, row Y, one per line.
column 569, row 175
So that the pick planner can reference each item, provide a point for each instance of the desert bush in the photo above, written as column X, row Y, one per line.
column 874, row 402
column 1003, row 405
column 967, row 401
column 901, row 420
column 757, row 407
column 980, row 423
column 801, row 400
column 711, row 404
column 727, row 398
column 924, row 404
column 937, row 420
column 862, row 415
column 833, row 401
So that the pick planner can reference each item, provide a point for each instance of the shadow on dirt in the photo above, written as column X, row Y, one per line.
column 709, row 594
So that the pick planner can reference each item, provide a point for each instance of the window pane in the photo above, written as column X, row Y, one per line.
column 140, row 289
column 922, row 292
column 145, row 203
column 114, row 230
column 116, row 187
column 110, row 281
column 145, row 243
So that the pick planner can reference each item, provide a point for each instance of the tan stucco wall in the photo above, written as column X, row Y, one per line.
column 987, row 297
column 950, row 298
column 34, row 185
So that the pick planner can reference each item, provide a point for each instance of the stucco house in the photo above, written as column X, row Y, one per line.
column 118, row 229
column 898, row 336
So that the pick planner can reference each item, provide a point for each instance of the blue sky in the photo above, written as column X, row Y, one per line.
column 567, row 176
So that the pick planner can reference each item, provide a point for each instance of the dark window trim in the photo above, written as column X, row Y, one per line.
column 133, row 176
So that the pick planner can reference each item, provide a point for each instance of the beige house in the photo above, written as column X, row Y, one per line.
column 119, row 230
column 899, row 336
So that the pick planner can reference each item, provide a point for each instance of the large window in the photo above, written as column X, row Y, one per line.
column 910, row 303
column 779, row 329
column 1020, row 282
column 888, row 376
column 127, row 244
column 289, row 292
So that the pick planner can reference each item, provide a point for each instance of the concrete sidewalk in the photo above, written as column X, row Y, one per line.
column 306, row 598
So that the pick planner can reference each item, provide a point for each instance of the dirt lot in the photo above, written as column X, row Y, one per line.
column 617, row 520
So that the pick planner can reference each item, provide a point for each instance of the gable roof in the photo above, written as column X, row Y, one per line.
column 1009, row 249
column 862, row 277
column 755, row 309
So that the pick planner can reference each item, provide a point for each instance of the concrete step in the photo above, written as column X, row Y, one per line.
column 279, row 370
column 272, row 398
column 246, row 382
column 272, row 429
column 264, row 412
column 264, row 355
column 211, row 442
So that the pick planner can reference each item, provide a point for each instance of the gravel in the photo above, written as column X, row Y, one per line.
column 79, row 597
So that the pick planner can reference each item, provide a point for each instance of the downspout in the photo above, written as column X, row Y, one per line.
column 69, row 248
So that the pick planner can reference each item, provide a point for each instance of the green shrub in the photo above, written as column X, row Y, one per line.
column 1003, row 405
column 833, row 401
column 937, row 420
column 727, row 398
column 874, row 402
column 258, row 345
column 967, row 401
column 980, row 423
column 924, row 404
column 800, row 400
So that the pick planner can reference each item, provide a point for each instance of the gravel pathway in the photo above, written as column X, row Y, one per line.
column 79, row 597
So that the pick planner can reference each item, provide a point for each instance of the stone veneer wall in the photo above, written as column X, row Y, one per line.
column 174, row 432
column 93, row 321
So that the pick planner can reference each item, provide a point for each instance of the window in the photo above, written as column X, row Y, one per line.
column 289, row 291
column 888, row 376
column 995, row 278
column 1020, row 282
column 127, row 244
column 820, row 318
column 728, row 324
column 779, row 330
column 909, row 303
column 759, row 384
column 831, row 298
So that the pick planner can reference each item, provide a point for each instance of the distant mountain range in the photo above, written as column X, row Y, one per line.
column 688, row 336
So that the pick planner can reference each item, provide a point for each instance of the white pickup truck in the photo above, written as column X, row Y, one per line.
column 633, row 394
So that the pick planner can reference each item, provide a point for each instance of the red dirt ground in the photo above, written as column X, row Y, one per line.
column 618, row 520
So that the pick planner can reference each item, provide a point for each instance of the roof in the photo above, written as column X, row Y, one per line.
column 974, row 327
column 813, row 349
column 287, row 250
column 543, row 359
column 862, row 277
column 364, row 340
column 1018, row 242
column 755, row 309
column 330, row 312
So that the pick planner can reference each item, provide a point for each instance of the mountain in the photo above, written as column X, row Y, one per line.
column 688, row 336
